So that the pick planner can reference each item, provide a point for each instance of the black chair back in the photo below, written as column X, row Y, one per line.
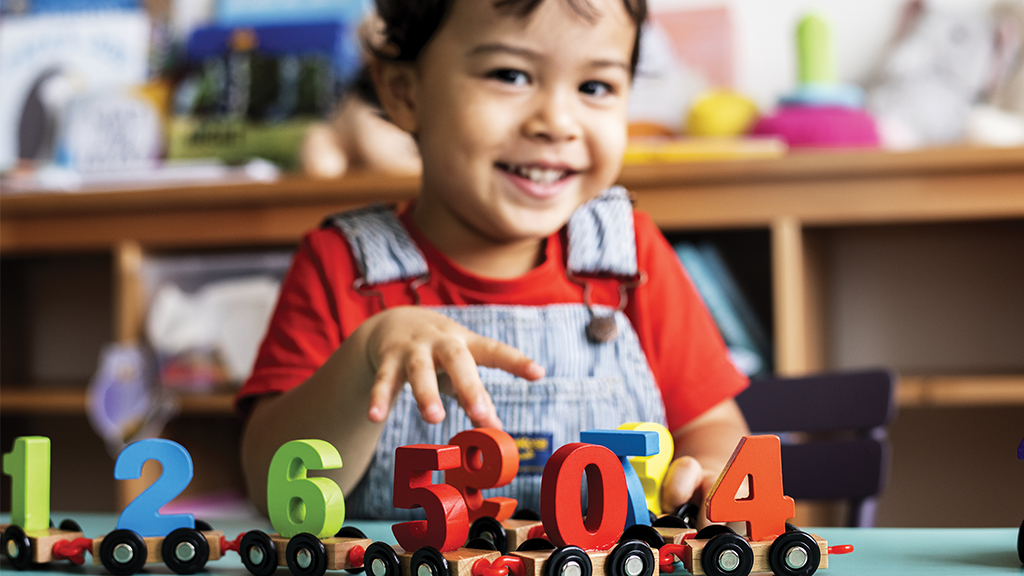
column 834, row 434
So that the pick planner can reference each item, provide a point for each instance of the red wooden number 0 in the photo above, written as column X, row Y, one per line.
column 490, row 458
column 767, row 508
column 560, row 508
column 447, row 523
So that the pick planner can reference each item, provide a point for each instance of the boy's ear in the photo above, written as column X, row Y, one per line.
column 396, row 85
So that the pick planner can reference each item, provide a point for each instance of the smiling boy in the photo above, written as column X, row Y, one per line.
column 476, row 304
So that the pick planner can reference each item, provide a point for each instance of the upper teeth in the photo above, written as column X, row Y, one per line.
column 539, row 175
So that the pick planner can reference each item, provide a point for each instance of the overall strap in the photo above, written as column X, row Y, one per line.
column 380, row 245
column 602, row 240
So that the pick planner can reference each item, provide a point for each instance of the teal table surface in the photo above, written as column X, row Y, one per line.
column 877, row 551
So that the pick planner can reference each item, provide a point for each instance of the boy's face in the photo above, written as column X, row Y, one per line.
column 520, row 120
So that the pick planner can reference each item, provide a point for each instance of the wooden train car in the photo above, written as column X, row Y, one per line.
column 561, row 540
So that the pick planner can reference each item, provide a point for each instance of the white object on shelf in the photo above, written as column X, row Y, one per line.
column 220, row 303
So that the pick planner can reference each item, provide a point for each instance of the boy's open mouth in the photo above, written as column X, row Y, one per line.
column 542, row 175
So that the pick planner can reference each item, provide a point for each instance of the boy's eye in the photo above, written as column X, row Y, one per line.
column 511, row 76
column 596, row 88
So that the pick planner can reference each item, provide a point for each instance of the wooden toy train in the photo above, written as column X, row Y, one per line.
column 621, row 533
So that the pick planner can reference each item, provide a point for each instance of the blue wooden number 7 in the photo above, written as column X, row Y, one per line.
column 625, row 443
column 142, row 515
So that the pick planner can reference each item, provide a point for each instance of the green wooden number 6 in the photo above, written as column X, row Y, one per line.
column 299, row 504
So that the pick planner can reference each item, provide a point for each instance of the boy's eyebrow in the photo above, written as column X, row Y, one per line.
column 497, row 47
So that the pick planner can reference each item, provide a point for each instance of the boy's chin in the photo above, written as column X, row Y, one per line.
column 536, row 226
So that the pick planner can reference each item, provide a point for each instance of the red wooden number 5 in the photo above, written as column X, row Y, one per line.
column 767, row 508
column 447, row 523
column 490, row 458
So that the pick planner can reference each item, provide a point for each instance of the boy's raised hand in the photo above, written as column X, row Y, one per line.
column 431, row 352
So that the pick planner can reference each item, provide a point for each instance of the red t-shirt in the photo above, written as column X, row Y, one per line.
column 319, row 307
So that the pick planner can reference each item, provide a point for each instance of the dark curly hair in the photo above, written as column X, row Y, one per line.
column 410, row 24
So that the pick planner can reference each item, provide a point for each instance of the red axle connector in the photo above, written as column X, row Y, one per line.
column 667, row 554
column 355, row 556
column 231, row 545
column 73, row 550
column 502, row 566
column 840, row 549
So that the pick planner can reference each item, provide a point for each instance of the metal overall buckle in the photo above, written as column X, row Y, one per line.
column 601, row 329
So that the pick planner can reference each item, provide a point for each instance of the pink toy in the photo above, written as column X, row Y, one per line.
column 820, row 127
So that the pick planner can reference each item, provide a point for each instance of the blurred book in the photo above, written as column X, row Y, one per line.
column 16, row 7
column 253, row 91
column 49, row 60
column 665, row 150
column 727, row 281
column 744, row 335
column 168, row 174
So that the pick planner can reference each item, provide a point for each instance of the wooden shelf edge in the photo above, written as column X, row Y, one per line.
column 41, row 401
column 960, row 391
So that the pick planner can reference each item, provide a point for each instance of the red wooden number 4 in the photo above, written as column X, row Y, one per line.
column 767, row 508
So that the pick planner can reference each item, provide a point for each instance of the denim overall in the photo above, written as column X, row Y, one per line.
column 587, row 385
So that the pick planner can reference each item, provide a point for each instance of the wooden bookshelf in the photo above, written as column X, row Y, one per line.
column 42, row 400
column 796, row 202
column 912, row 392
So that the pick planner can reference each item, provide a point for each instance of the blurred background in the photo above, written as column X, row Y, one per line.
column 844, row 183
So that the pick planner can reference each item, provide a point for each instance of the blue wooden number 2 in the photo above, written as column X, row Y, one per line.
column 142, row 514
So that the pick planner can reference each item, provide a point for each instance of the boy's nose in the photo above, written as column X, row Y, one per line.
column 553, row 119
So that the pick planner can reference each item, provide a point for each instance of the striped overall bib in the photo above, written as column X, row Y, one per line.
column 588, row 384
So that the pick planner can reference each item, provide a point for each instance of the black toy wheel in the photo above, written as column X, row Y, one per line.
column 712, row 530
column 526, row 514
column 490, row 529
column 534, row 544
column 689, row 513
column 258, row 553
column 727, row 555
column 669, row 521
column 380, row 559
column 351, row 532
column 631, row 558
column 427, row 561
column 1020, row 543
column 644, row 534
column 203, row 525
column 794, row 554
column 306, row 555
column 568, row 561
column 17, row 547
column 123, row 552
column 185, row 551
column 480, row 544
column 70, row 525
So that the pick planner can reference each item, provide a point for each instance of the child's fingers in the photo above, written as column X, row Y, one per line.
column 422, row 374
column 682, row 481
column 386, row 382
column 458, row 362
column 494, row 354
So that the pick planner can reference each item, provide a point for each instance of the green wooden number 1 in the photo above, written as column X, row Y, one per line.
column 299, row 504
column 28, row 465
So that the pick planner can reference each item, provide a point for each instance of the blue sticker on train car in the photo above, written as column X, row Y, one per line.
column 534, row 451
